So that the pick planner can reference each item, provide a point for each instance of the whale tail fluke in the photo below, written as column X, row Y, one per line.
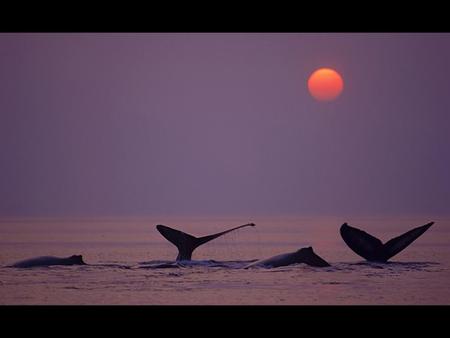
column 397, row 244
column 186, row 243
column 361, row 242
column 372, row 249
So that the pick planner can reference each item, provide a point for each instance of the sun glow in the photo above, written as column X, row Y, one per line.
column 325, row 84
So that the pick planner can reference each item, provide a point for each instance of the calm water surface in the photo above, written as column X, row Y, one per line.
column 121, row 255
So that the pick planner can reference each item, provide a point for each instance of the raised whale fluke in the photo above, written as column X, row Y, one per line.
column 372, row 249
column 186, row 243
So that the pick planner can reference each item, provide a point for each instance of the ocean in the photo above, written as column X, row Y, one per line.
column 122, row 253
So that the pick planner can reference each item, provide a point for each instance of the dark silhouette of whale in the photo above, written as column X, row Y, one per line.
column 49, row 260
column 372, row 249
column 304, row 255
column 186, row 243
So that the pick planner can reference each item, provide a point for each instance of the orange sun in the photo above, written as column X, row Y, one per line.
column 325, row 84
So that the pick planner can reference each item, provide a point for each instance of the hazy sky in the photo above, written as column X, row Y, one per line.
column 223, row 124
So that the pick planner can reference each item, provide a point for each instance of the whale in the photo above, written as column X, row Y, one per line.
column 303, row 255
column 372, row 249
column 48, row 261
column 187, row 243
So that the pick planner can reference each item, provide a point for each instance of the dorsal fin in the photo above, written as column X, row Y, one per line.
column 186, row 243
column 397, row 244
column 311, row 258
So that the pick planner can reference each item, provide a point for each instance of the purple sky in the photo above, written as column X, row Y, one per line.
column 223, row 124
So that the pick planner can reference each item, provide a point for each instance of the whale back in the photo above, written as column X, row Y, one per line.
column 48, row 261
column 303, row 255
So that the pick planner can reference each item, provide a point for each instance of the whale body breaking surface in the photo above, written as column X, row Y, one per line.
column 49, row 261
